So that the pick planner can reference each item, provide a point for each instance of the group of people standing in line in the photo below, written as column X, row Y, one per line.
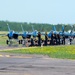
column 55, row 39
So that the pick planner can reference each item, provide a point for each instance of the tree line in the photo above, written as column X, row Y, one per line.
column 16, row 26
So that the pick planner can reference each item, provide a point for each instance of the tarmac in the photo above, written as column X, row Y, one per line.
column 12, row 64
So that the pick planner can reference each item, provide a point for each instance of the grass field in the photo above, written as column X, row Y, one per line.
column 3, row 37
column 67, row 52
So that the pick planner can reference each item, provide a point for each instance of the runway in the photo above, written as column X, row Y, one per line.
column 12, row 64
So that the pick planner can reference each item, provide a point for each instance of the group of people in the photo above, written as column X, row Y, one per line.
column 55, row 39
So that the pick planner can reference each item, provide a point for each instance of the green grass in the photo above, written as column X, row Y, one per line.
column 67, row 52
column 3, row 40
column 3, row 37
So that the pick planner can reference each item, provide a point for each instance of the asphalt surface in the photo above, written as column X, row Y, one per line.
column 12, row 64
column 22, row 64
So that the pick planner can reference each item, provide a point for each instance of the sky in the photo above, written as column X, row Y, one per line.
column 38, row 11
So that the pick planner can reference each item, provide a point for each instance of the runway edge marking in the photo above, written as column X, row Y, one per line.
column 10, row 56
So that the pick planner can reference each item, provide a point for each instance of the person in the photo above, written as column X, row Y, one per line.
column 64, row 40
column 58, row 39
column 70, row 39
column 32, row 42
column 39, row 39
column 46, row 39
column 52, row 39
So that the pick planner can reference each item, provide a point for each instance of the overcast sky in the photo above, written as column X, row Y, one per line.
column 38, row 11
